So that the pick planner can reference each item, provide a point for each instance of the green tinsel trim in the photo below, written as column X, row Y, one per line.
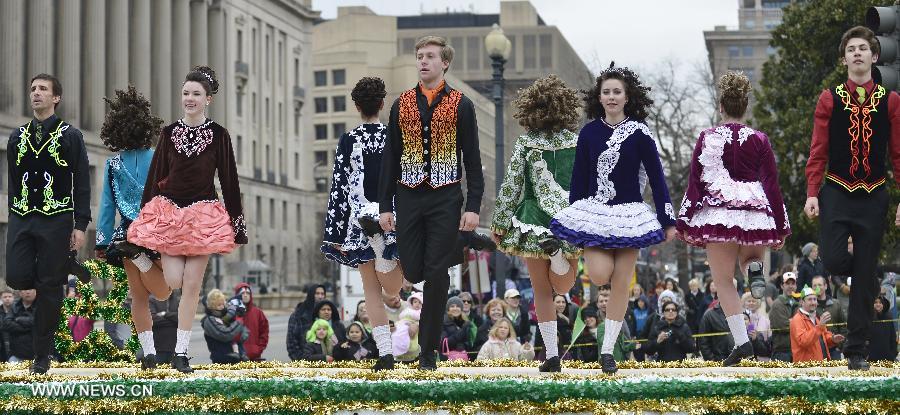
column 97, row 346
column 813, row 390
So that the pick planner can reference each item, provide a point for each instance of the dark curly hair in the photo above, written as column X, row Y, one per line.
column 547, row 105
column 369, row 94
column 205, row 76
column 734, row 91
column 129, row 123
column 638, row 94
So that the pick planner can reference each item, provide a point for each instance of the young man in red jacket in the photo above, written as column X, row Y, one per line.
column 255, row 321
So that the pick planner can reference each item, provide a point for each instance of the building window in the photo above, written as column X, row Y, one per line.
column 268, row 114
column 240, row 45
column 297, row 224
column 296, row 71
column 280, row 63
column 771, row 51
column 321, row 105
column 254, row 154
column 339, row 104
column 239, row 149
column 268, row 57
column 511, row 62
column 280, row 117
column 296, row 124
column 272, row 213
column 321, row 78
column 239, row 104
column 258, row 210
column 284, row 218
column 747, row 51
column 338, row 77
column 321, row 131
column 546, row 42
column 751, row 74
column 750, row 24
column 254, row 107
column 459, row 60
column 772, row 24
column 268, row 159
column 280, row 161
column 321, row 158
column 408, row 46
column 253, row 50
column 734, row 51
column 338, row 129
column 296, row 165
column 529, row 51
column 473, row 52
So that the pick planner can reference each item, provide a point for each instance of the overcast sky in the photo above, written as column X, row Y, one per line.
column 636, row 33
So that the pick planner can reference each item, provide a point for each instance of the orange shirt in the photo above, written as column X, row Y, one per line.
column 431, row 94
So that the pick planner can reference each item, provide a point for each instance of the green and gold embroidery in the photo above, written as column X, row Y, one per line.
column 22, row 204
column 49, row 201
column 23, row 142
column 51, row 144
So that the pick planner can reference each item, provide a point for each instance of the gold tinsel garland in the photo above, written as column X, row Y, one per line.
column 223, row 404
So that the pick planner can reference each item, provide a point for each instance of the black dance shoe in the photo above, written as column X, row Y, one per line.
column 148, row 362
column 40, row 365
column 477, row 241
column 128, row 249
column 738, row 353
column 757, row 280
column 181, row 364
column 385, row 362
column 370, row 226
column 857, row 363
column 427, row 362
column 608, row 364
column 550, row 246
column 551, row 365
column 77, row 269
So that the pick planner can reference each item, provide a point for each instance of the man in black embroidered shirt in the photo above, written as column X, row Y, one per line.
column 49, row 209
column 432, row 133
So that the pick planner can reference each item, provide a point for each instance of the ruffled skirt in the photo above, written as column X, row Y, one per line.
column 356, row 249
column 114, row 256
column 593, row 223
column 202, row 228
column 744, row 226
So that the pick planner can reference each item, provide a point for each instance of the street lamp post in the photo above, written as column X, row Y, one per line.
column 498, row 47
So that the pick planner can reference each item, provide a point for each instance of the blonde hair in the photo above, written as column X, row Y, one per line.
column 547, row 106
column 492, row 303
column 446, row 49
column 762, row 304
column 214, row 298
column 504, row 320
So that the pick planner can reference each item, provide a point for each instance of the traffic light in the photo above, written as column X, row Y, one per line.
column 884, row 22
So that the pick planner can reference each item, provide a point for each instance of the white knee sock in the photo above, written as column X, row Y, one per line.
column 548, row 333
column 142, row 262
column 381, row 265
column 558, row 263
column 147, row 345
column 738, row 329
column 382, row 335
column 182, row 341
column 611, row 330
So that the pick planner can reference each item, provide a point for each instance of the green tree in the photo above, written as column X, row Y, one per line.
column 807, row 62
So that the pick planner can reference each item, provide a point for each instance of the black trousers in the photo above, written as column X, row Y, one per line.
column 427, row 236
column 37, row 249
column 860, row 215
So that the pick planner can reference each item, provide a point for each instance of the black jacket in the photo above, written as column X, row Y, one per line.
column 456, row 332
column 586, row 353
column 883, row 338
column 165, row 322
column 715, row 347
column 807, row 269
column 350, row 352
column 220, row 329
column 313, row 351
column 296, row 336
column 677, row 346
column 696, row 305
column 19, row 325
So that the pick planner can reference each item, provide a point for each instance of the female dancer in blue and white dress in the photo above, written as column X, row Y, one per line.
column 352, row 201
column 615, row 157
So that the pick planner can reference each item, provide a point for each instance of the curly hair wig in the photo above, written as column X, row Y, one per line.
column 129, row 123
column 547, row 105
column 369, row 94
column 638, row 94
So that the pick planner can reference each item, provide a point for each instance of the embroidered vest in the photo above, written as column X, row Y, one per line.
column 858, row 138
column 41, row 180
column 429, row 151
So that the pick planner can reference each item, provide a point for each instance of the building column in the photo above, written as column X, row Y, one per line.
column 40, row 37
column 162, row 58
column 93, row 107
column 181, row 51
column 217, row 37
column 13, row 90
column 199, row 33
column 118, row 34
column 68, row 67
column 140, row 46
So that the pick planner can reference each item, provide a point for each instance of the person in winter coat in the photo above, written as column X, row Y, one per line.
column 493, row 312
column 586, row 349
column 18, row 324
column 639, row 318
column 296, row 337
column 221, row 329
column 256, row 322
column 320, row 342
column 783, row 308
column 882, row 336
column 670, row 338
column 715, row 348
column 695, row 300
column 405, row 338
column 760, row 346
column 502, row 344
column 358, row 346
column 456, row 327
column 759, row 319
column 810, row 265
column 810, row 337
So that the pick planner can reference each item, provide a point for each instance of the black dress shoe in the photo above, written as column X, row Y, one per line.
column 78, row 270
column 181, row 364
column 608, row 364
column 551, row 365
column 857, row 363
column 757, row 280
column 148, row 362
column 427, row 362
column 370, row 226
column 128, row 249
column 40, row 365
column 738, row 353
column 478, row 241
column 550, row 246
column 385, row 362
